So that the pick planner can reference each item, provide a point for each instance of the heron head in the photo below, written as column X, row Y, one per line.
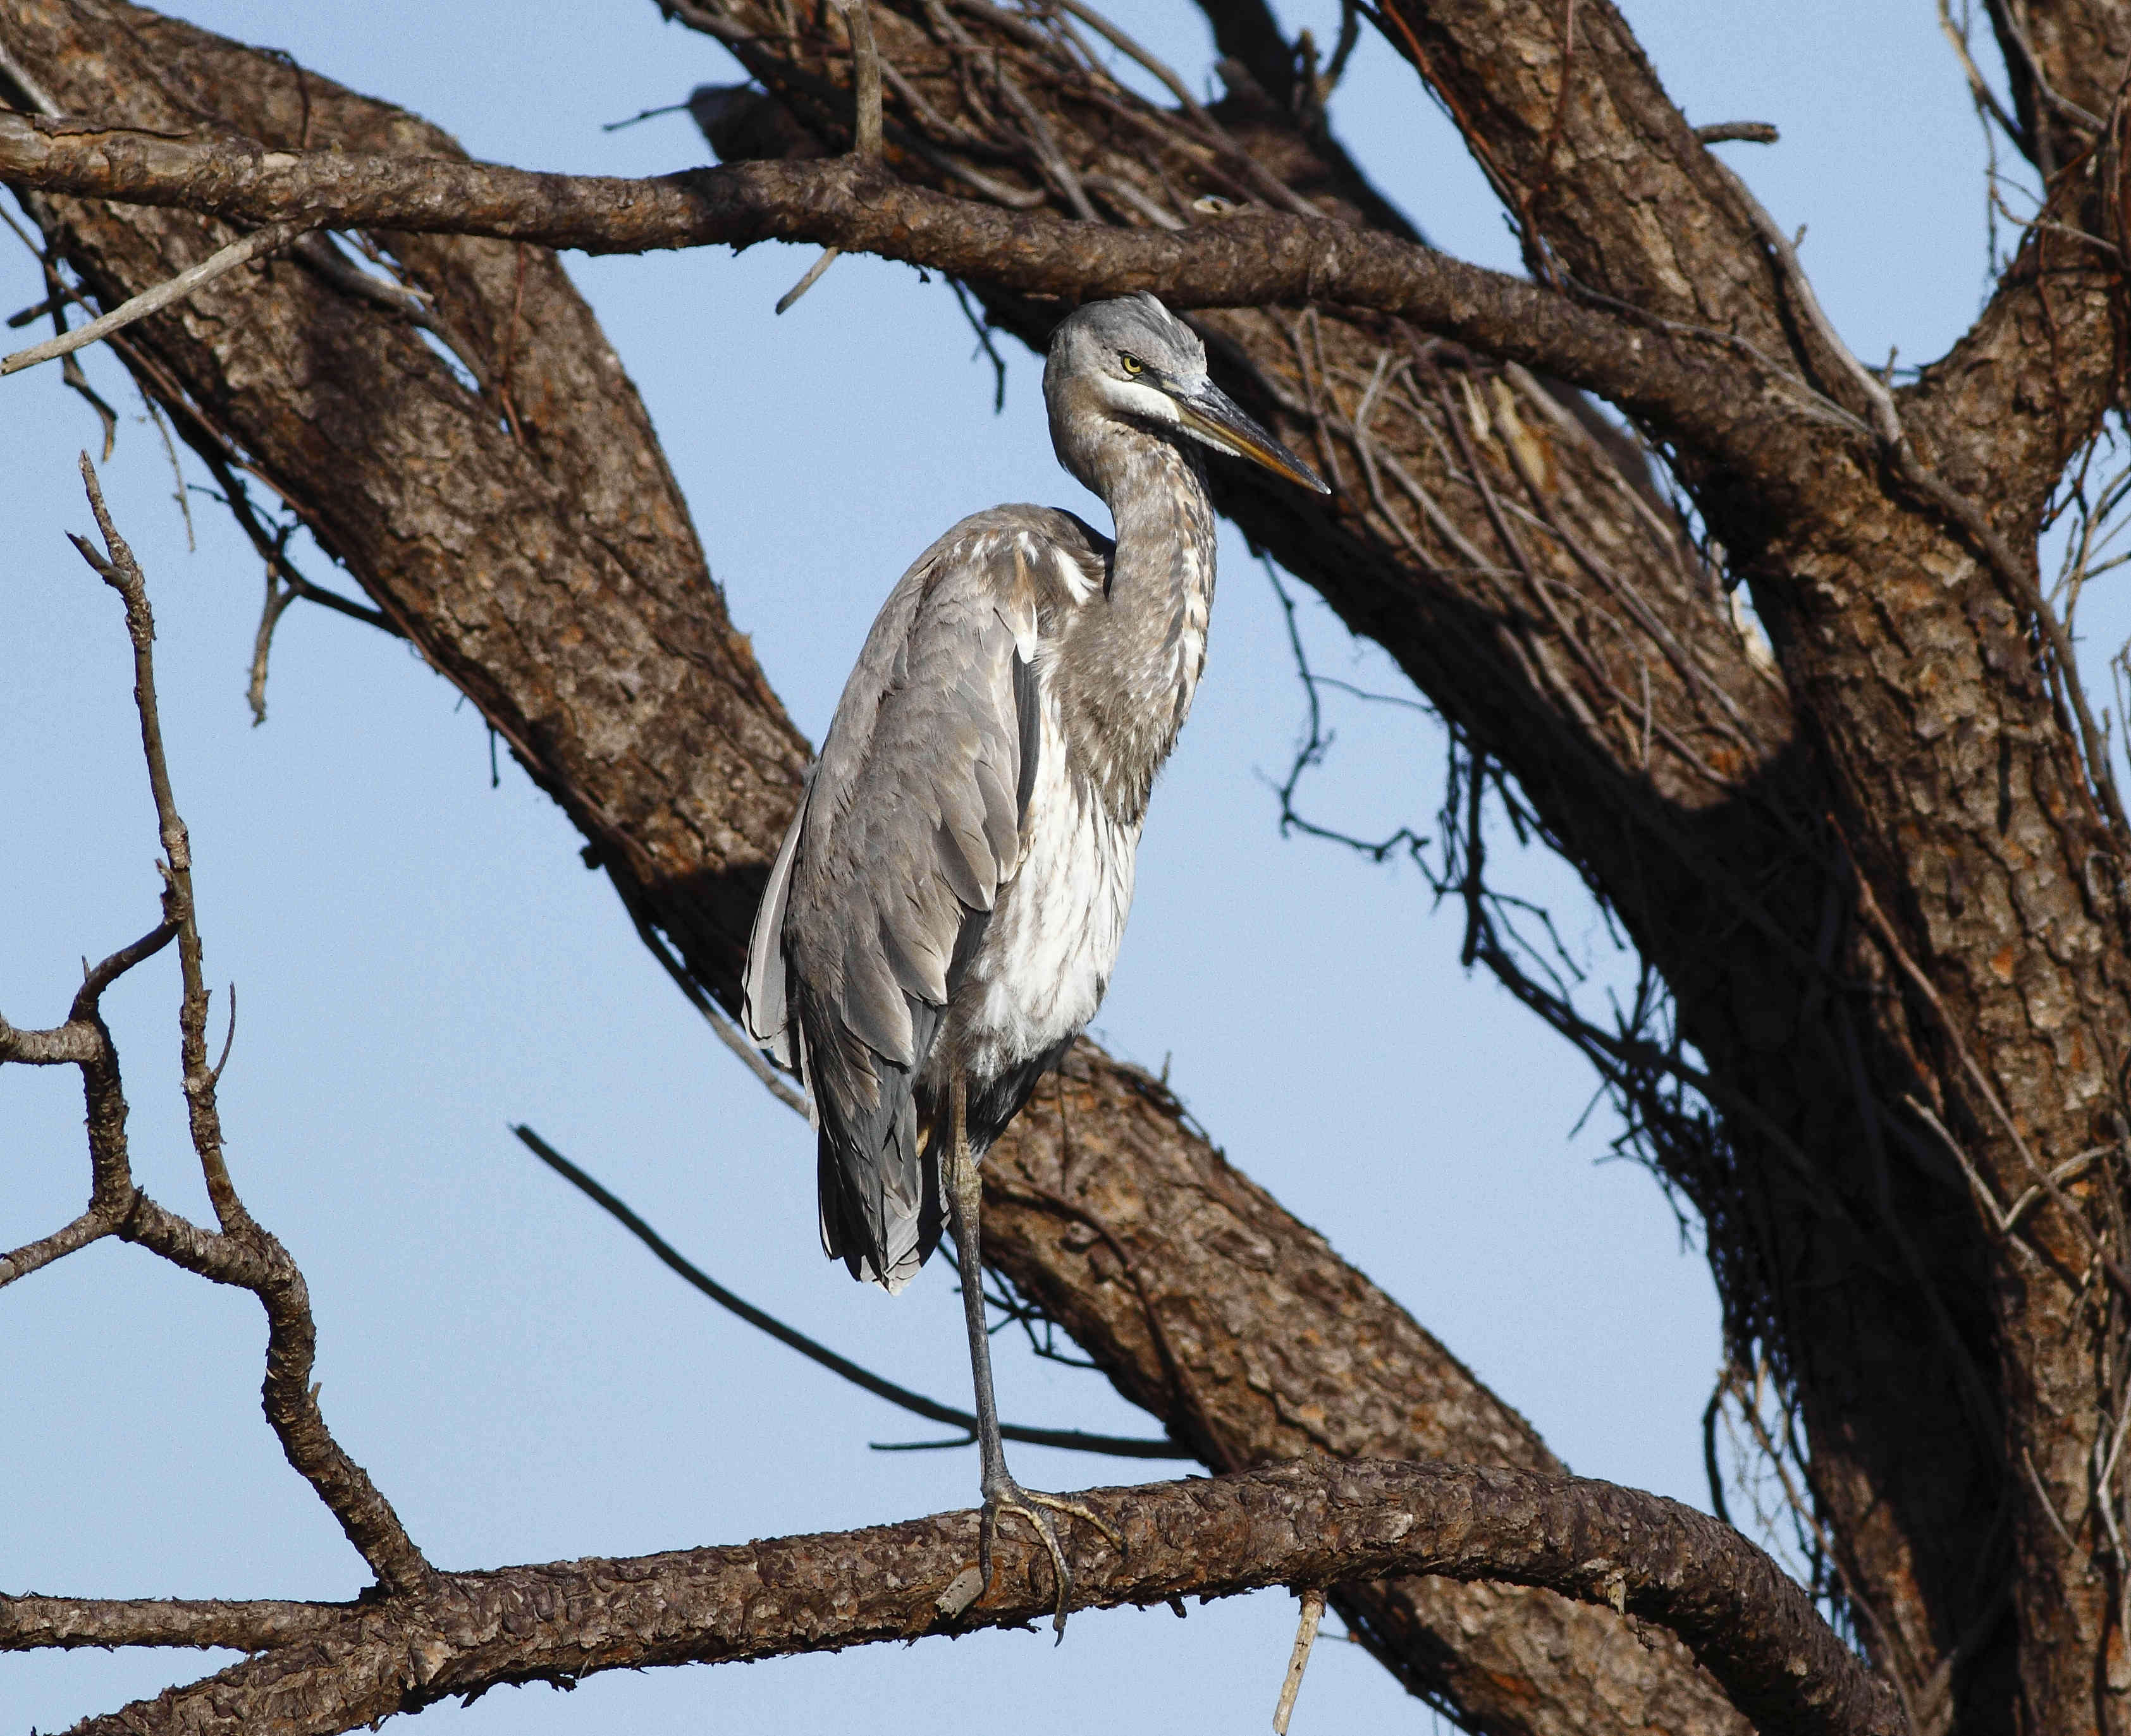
column 1133, row 361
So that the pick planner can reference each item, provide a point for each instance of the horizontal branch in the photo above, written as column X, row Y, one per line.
column 1248, row 258
column 1310, row 1525
column 65, row 1045
column 241, row 1624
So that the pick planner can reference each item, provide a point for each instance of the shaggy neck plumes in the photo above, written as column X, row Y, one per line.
column 1133, row 655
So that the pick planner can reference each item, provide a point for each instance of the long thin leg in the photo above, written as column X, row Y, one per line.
column 1002, row 1494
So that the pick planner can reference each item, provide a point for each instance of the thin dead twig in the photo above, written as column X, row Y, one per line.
column 2004, row 1219
column 1978, row 86
column 1737, row 132
column 241, row 252
column 2071, row 111
column 865, row 77
column 316, row 250
column 1211, row 1449
column 242, row 1253
column 1266, row 185
column 790, row 298
column 1305, row 1636
column 58, row 298
column 1688, row 667
column 1868, row 905
column 1533, row 581
column 726, row 1032
column 278, row 599
column 271, row 547
column 117, row 568
column 865, row 126
column 92, row 1226
column 21, row 76
column 1071, row 1439
column 1809, row 1516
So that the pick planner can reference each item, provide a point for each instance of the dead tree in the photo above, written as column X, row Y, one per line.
column 1875, row 872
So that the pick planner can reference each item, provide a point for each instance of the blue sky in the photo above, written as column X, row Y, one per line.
column 421, row 958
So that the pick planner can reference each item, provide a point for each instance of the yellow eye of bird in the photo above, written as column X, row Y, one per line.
column 1133, row 364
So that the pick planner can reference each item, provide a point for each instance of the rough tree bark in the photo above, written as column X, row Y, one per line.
column 1959, row 798
column 1929, row 1358
column 1884, row 891
column 552, row 574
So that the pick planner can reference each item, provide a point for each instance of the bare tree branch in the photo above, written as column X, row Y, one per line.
column 257, row 245
column 1248, row 259
column 1071, row 1440
column 32, row 1623
column 241, row 1253
column 1317, row 1524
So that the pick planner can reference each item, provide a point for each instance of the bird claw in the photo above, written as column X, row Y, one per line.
column 1012, row 1498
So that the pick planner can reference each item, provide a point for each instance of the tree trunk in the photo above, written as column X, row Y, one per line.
column 552, row 573
column 1877, row 870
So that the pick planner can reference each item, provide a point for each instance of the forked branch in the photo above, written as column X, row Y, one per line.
column 239, row 1252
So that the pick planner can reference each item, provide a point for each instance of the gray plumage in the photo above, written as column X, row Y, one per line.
column 911, row 829
column 948, row 904
column 924, row 914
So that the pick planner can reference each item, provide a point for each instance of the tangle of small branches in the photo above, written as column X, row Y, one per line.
column 1646, row 1071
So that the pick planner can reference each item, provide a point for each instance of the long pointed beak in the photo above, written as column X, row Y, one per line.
column 1218, row 419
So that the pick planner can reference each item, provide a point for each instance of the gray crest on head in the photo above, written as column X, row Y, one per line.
column 1139, row 323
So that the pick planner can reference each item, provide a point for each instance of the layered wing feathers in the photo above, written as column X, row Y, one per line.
column 913, row 821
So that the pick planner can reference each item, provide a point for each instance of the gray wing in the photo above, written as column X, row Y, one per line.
column 911, row 826
column 765, row 1009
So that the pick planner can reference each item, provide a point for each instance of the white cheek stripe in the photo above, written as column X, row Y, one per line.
column 1131, row 399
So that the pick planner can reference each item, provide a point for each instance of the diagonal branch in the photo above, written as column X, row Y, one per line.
column 1072, row 1440
column 257, row 245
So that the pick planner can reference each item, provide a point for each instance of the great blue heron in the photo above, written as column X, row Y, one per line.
column 942, row 918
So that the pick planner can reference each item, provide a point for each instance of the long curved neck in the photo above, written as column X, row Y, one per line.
column 1131, row 660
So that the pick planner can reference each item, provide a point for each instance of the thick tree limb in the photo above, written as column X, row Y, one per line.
column 1893, row 613
column 593, row 639
column 1246, row 259
column 1316, row 1525
column 1608, row 184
